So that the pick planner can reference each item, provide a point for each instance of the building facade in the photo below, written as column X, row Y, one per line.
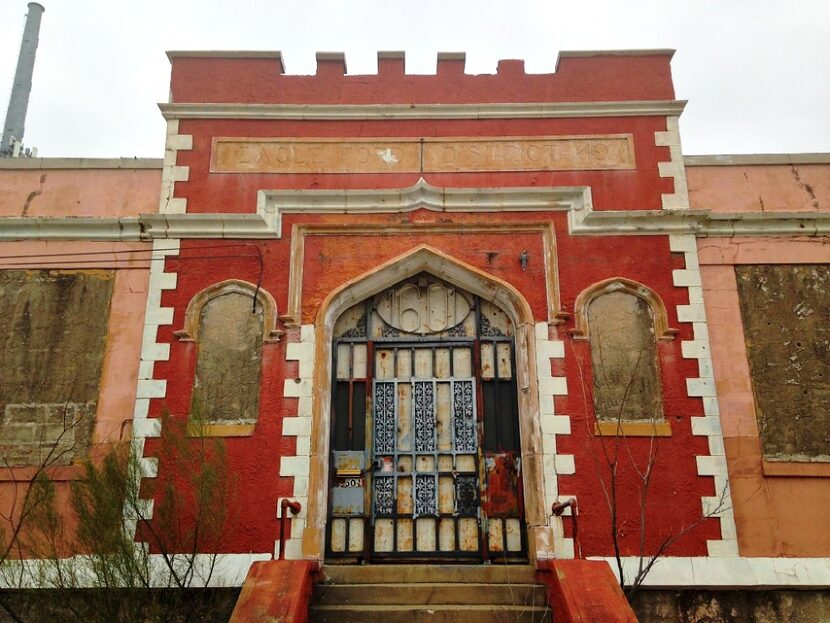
column 429, row 308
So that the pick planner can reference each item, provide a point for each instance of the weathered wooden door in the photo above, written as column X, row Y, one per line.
column 426, row 457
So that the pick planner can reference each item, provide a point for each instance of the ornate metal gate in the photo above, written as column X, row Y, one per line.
column 425, row 429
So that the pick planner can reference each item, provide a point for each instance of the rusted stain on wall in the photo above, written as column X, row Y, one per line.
column 53, row 327
column 226, row 388
column 785, row 311
column 502, row 475
column 624, row 358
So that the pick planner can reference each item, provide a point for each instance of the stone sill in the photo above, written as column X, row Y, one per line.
column 221, row 430
column 796, row 469
column 647, row 428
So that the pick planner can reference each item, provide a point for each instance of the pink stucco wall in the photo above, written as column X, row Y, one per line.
column 108, row 192
column 767, row 188
column 775, row 514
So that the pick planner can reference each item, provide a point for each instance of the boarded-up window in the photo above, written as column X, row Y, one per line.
column 624, row 358
column 53, row 328
column 786, row 318
column 226, row 388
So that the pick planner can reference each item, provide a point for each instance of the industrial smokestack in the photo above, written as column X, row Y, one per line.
column 19, row 102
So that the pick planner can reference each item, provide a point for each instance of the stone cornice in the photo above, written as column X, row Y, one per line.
column 272, row 204
column 80, row 163
column 755, row 159
column 531, row 110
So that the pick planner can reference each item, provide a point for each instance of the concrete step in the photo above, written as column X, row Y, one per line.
column 429, row 574
column 503, row 594
column 431, row 614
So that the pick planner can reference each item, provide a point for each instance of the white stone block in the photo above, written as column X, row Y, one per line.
column 705, row 426
column 691, row 313
column 141, row 410
column 550, row 349
column 304, row 406
column 172, row 205
column 152, row 351
column 710, row 406
column 685, row 277
column 162, row 281
column 557, row 424
column 146, row 427
column 307, row 333
column 300, row 427
column 564, row 464
column 149, row 466
column 180, row 142
column 148, row 337
column 701, row 331
column 540, row 329
column 711, row 466
column 145, row 369
column 695, row 295
column 303, row 446
column 295, row 388
column 149, row 388
column 694, row 349
column 705, row 369
column 546, row 405
column 162, row 248
column 553, row 386
column 294, row 466
column 548, row 443
column 300, row 487
column 159, row 316
column 700, row 387
column 716, row 445
column 674, row 201
column 722, row 549
column 682, row 243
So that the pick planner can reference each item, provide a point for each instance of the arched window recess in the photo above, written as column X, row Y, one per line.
column 662, row 331
column 260, row 299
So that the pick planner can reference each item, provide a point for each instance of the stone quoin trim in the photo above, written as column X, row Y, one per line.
column 713, row 464
column 299, row 465
column 675, row 168
column 171, row 172
column 552, row 425
column 151, row 351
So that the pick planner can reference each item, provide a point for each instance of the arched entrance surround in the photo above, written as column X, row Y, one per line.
column 462, row 275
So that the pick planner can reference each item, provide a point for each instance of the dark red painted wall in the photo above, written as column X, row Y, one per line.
column 588, row 79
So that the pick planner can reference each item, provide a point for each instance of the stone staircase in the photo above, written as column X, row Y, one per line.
column 429, row 593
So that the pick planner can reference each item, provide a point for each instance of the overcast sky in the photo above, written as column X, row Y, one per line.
column 756, row 72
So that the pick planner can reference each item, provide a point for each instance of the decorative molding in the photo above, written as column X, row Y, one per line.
column 293, row 314
column 193, row 314
column 714, row 464
column 148, row 387
column 421, row 195
column 272, row 204
column 320, row 112
column 423, row 258
column 620, row 284
column 701, row 223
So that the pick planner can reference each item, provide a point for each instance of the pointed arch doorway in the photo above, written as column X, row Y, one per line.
column 425, row 452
